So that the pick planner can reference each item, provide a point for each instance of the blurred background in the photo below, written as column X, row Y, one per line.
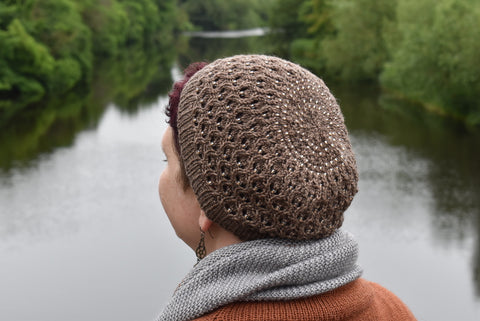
column 83, row 87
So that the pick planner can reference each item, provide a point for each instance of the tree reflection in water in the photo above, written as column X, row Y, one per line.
column 134, row 80
column 453, row 172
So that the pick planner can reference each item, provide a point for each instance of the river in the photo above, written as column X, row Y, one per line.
column 83, row 235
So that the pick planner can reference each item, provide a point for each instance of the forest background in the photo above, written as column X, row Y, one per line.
column 424, row 51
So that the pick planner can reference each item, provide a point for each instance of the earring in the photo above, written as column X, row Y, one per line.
column 201, row 250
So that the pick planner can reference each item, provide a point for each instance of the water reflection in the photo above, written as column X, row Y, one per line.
column 451, row 153
column 133, row 80
column 208, row 49
column 84, row 227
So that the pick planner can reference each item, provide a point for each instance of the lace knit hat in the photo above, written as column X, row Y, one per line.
column 265, row 149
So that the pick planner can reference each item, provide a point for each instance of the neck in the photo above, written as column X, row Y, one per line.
column 217, row 237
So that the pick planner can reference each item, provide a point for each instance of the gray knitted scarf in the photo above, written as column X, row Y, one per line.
column 266, row 269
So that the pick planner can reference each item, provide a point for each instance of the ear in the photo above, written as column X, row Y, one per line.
column 204, row 222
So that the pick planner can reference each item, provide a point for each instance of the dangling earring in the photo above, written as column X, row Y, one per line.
column 201, row 250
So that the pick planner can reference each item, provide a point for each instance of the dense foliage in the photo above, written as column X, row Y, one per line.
column 426, row 51
column 435, row 55
column 49, row 47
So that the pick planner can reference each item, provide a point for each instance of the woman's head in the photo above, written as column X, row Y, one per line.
column 264, row 148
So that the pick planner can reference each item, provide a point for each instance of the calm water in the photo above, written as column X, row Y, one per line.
column 83, row 235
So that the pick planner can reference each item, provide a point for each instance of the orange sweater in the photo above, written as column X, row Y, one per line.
column 357, row 301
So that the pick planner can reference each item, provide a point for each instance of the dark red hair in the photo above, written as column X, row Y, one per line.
column 174, row 99
column 172, row 111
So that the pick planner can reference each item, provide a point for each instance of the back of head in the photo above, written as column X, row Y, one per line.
column 265, row 149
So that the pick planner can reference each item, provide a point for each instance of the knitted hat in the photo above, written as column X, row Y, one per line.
column 265, row 149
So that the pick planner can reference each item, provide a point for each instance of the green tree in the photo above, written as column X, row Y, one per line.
column 435, row 58
column 316, row 16
column 357, row 50
column 45, row 49
column 49, row 47
column 25, row 63
column 58, row 25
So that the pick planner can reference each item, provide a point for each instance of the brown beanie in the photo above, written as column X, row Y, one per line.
column 265, row 149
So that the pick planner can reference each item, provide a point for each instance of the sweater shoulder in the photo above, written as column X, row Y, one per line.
column 390, row 304
column 357, row 301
